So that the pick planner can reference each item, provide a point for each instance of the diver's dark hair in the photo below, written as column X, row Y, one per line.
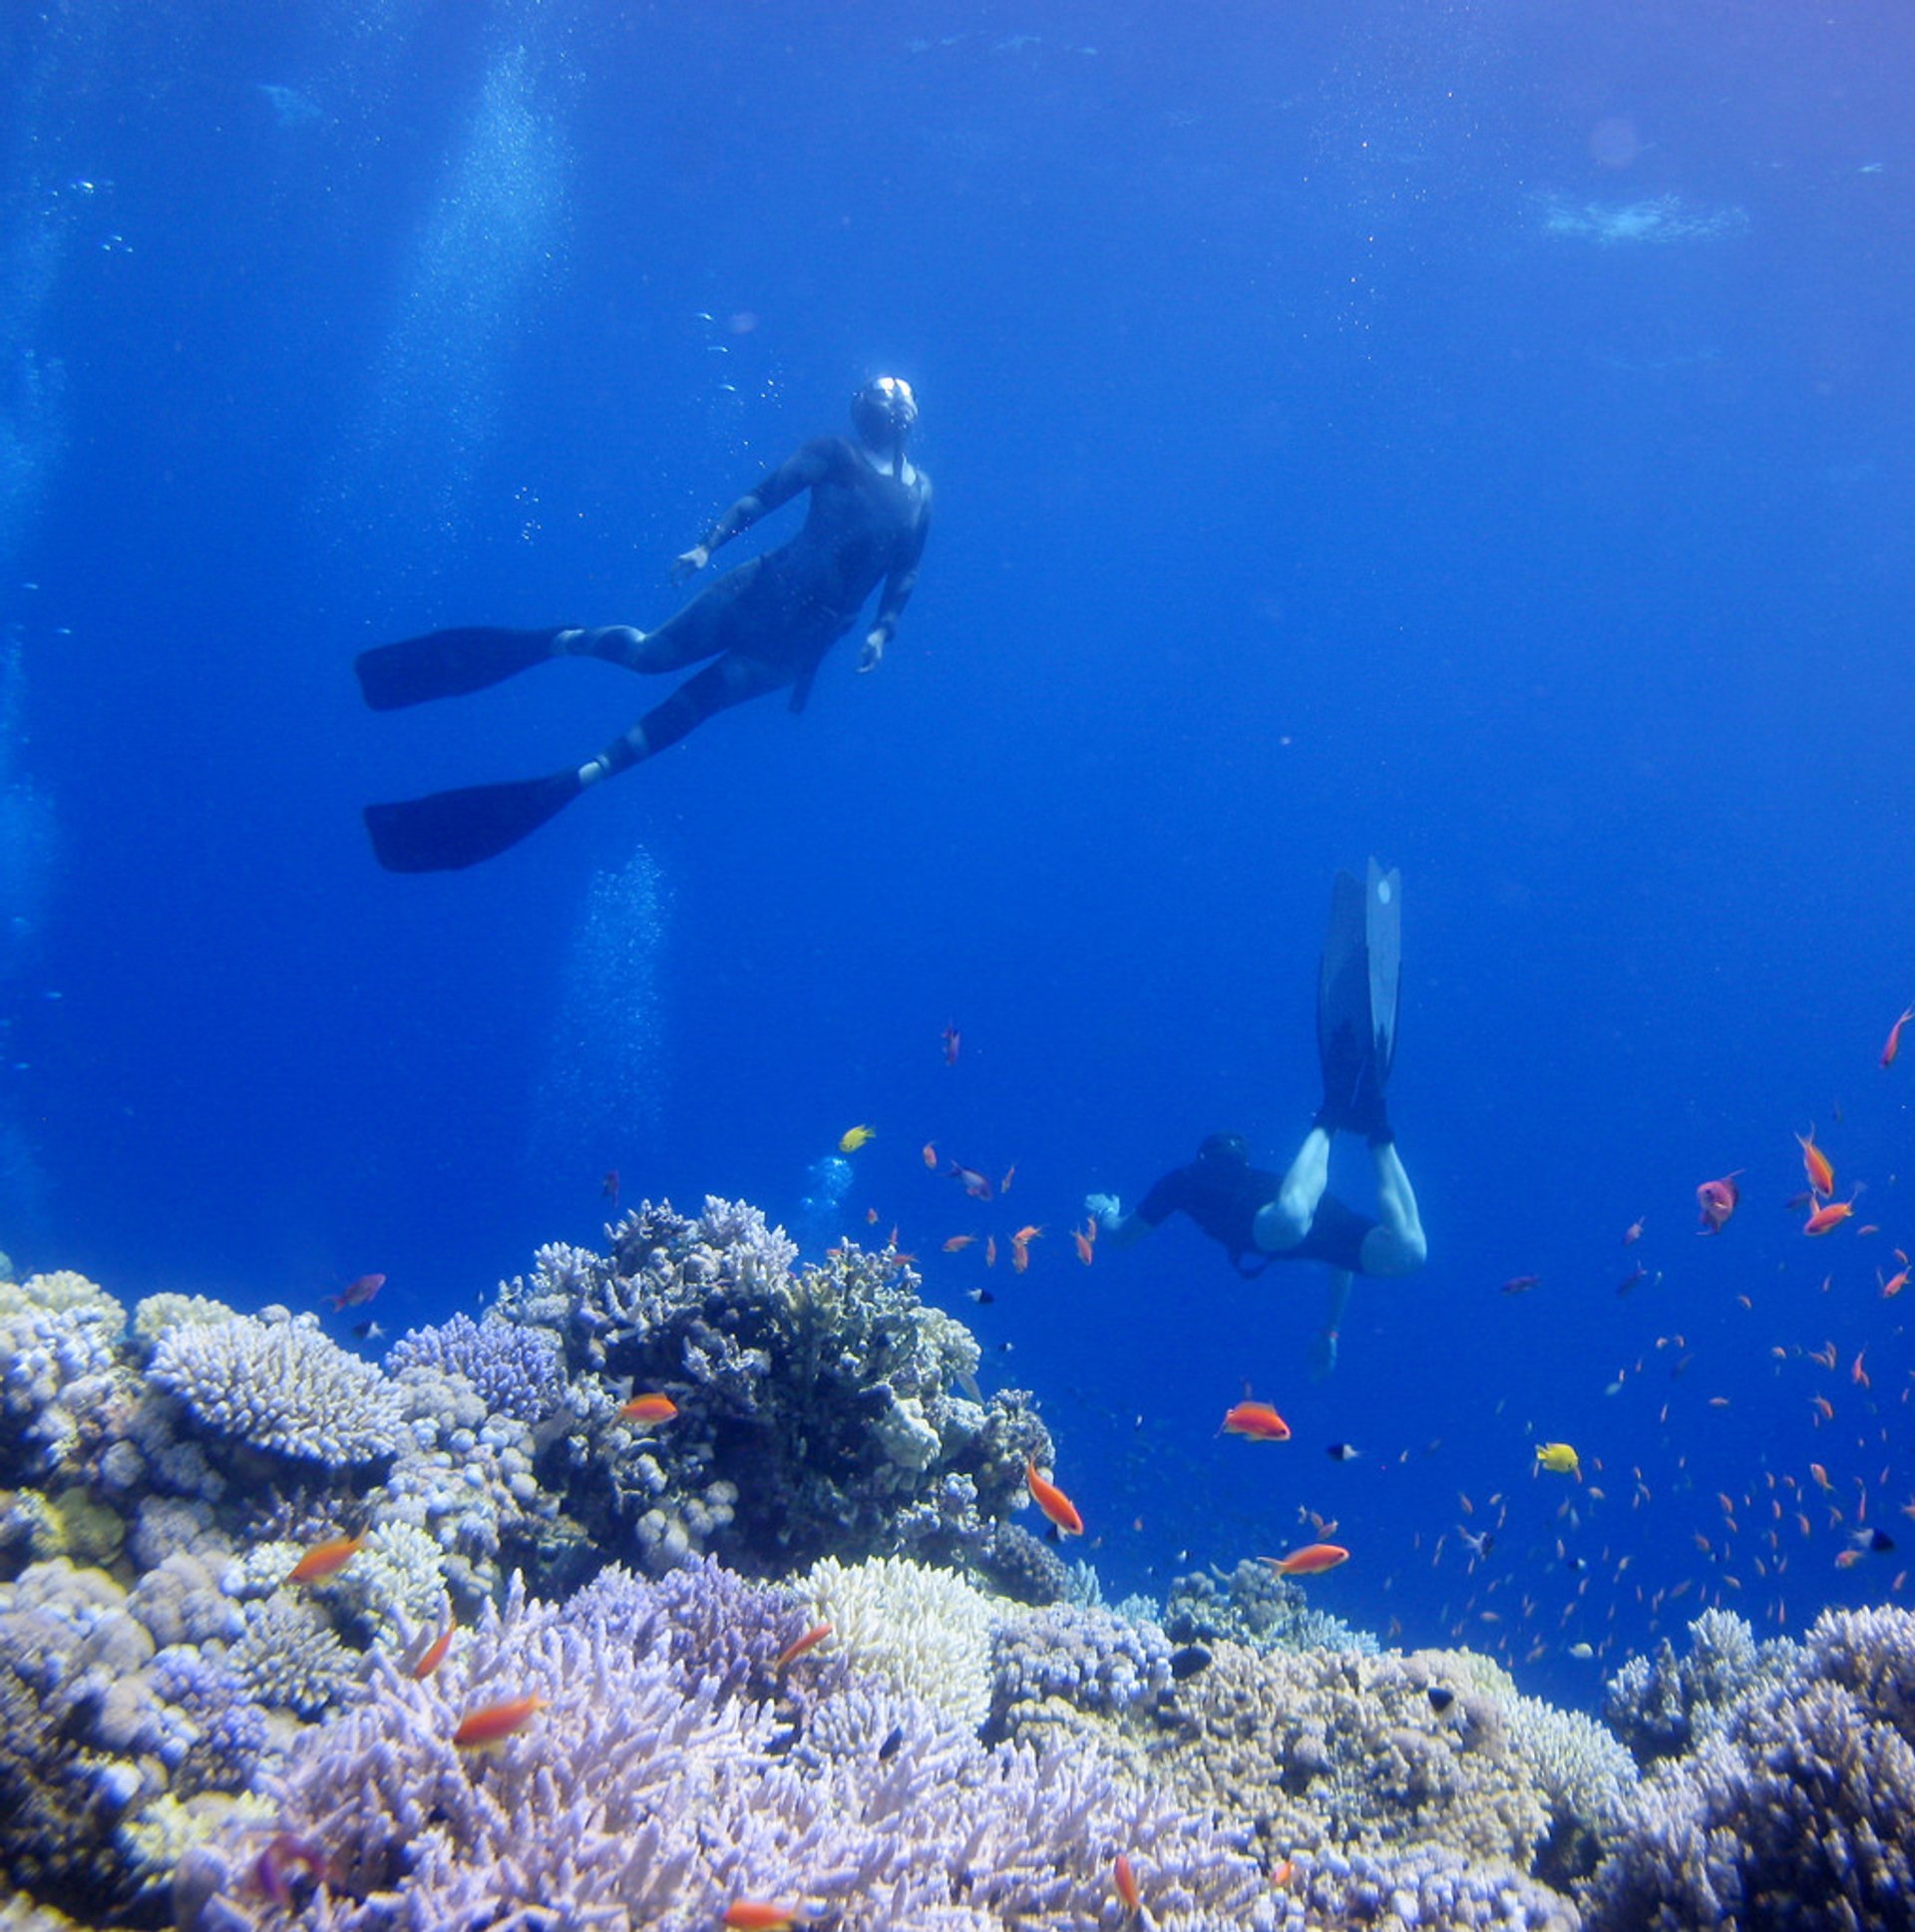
column 883, row 413
column 1225, row 1150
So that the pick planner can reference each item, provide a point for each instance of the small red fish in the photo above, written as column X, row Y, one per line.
column 1010, row 1174
column 798, row 1646
column 929, row 1155
column 356, row 1294
column 1084, row 1240
column 1027, row 1234
column 608, row 1187
column 1521, row 1284
column 1053, row 1503
column 1829, row 1217
column 1019, row 1255
column 1718, row 1200
column 1894, row 1044
column 952, row 1040
column 1125, row 1881
column 434, row 1654
column 493, row 1724
column 1312, row 1560
column 762, row 1915
column 991, row 1251
column 1634, row 1232
column 1258, row 1420
column 1895, row 1283
column 970, row 1181
column 649, row 1409
column 958, row 1243
column 326, row 1559
column 1816, row 1165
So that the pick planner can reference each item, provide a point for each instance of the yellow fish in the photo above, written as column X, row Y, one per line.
column 1558, row 1458
column 854, row 1138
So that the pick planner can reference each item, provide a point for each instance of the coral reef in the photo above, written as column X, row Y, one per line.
column 1792, row 1810
column 1256, row 1607
column 281, row 1385
column 1661, row 1705
column 824, row 1411
column 1089, row 1659
column 515, row 1370
column 641, row 1791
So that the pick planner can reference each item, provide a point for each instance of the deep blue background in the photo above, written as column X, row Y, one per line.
column 1328, row 462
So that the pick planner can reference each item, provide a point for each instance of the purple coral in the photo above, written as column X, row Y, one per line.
column 515, row 1369
column 635, row 1796
column 1797, row 1812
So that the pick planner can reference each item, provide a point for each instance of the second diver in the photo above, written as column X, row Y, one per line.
column 1261, row 1216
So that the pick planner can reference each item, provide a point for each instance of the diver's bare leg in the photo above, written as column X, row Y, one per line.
column 1284, row 1222
column 1396, row 1246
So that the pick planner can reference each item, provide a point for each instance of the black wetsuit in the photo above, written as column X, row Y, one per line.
column 1225, row 1199
column 770, row 621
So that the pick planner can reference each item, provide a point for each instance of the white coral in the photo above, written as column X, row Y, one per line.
column 927, row 1632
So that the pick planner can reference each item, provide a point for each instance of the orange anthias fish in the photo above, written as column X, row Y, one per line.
column 357, row 1292
column 1894, row 1044
column 1125, row 1881
column 1085, row 1238
column 1816, row 1165
column 1718, row 1200
column 1027, row 1234
column 493, row 1724
column 763, row 1915
column 1053, row 1503
column 1312, row 1560
column 1020, row 1255
column 1828, row 1217
column 958, row 1243
column 434, row 1654
column 1634, row 1232
column 1895, row 1283
column 928, row 1153
column 1258, row 1420
column 326, row 1559
column 649, row 1409
column 798, row 1646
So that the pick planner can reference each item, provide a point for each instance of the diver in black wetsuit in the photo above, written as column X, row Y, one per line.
column 1293, row 1216
column 765, row 625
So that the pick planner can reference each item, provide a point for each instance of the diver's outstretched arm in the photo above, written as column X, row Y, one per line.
column 771, row 492
column 1396, row 1246
column 1115, row 1228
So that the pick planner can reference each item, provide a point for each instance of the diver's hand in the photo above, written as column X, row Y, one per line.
column 1322, row 1353
column 873, row 654
column 691, row 562
column 1106, row 1210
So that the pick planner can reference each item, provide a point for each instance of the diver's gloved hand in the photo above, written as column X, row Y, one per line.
column 691, row 562
column 1106, row 1210
column 873, row 654
column 1322, row 1353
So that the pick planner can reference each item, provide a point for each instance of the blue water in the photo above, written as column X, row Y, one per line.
column 1474, row 436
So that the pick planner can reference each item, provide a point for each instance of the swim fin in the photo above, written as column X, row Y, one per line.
column 447, row 664
column 451, row 830
column 1357, row 1002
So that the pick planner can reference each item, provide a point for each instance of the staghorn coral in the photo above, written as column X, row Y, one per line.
column 1794, row 1810
column 634, row 1798
column 60, row 1374
column 289, row 1660
column 516, row 1371
column 1421, row 1885
column 281, row 1385
column 926, row 1632
column 1660, row 1705
column 156, row 1314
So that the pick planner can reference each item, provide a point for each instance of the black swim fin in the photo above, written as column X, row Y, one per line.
column 447, row 664
column 451, row 830
column 1357, row 1002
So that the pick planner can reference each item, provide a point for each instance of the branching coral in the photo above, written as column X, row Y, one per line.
column 281, row 1385
column 634, row 1796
